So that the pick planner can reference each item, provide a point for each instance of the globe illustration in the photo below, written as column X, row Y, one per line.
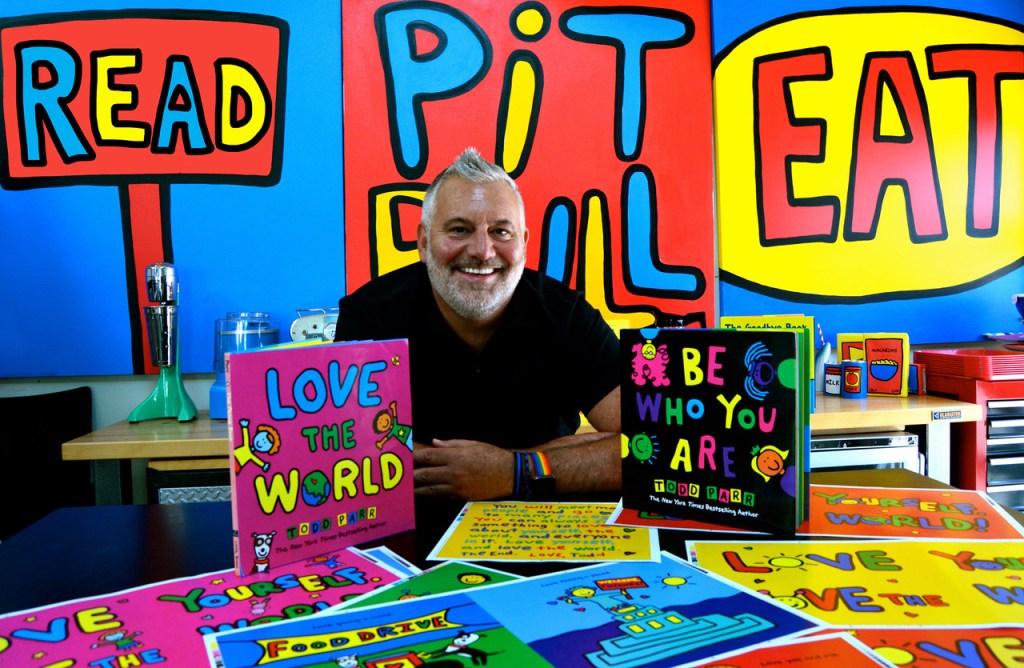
column 316, row 488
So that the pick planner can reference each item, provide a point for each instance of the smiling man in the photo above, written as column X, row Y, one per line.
column 503, row 359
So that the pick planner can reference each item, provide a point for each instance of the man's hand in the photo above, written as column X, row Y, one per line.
column 461, row 469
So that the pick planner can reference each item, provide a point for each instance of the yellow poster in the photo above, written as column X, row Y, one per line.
column 530, row 531
column 871, row 583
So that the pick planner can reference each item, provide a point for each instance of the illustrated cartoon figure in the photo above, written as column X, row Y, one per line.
column 266, row 442
column 795, row 601
column 261, row 548
column 330, row 561
column 769, row 461
column 473, row 578
column 347, row 661
column 121, row 640
column 609, row 601
column 460, row 646
column 649, row 364
column 387, row 423
column 259, row 608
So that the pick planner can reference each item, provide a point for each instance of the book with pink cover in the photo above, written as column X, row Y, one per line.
column 170, row 624
column 321, row 443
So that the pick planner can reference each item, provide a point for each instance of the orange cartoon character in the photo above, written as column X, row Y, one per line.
column 769, row 461
column 266, row 442
column 386, row 423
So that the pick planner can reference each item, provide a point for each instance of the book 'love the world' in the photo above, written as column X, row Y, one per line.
column 321, row 449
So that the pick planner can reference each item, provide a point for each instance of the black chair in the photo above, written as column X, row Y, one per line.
column 34, row 480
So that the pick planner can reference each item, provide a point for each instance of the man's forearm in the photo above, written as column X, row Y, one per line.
column 585, row 463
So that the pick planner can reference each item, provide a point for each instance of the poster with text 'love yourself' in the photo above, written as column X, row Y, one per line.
column 945, row 646
column 876, row 512
column 880, row 583
column 165, row 623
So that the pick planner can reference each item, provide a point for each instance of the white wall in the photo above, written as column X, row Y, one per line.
column 113, row 397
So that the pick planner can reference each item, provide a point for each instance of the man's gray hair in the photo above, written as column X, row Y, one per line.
column 471, row 166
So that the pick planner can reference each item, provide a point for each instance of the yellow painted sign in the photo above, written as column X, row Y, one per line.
column 871, row 152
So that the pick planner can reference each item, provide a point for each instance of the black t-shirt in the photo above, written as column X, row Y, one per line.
column 552, row 357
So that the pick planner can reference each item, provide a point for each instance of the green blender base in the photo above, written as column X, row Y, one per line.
column 168, row 399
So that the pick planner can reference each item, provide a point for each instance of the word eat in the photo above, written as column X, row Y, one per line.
column 878, row 161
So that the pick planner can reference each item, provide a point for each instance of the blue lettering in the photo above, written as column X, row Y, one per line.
column 48, row 76
column 277, row 411
column 458, row 62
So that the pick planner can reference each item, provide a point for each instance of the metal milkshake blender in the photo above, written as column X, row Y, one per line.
column 169, row 398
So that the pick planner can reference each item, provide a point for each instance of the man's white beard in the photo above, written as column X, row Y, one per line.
column 469, row 302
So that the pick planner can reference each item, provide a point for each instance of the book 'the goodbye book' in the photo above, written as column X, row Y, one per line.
column 715, row 425
column 321, row 445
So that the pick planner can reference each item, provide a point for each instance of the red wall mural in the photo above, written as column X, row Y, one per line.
column 601, row 111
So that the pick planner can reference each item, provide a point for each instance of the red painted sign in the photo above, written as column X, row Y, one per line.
column 105, row 97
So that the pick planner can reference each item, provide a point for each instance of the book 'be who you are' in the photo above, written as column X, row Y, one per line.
column 715, row 426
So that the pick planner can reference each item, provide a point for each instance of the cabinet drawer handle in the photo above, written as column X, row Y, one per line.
column 1006, row 461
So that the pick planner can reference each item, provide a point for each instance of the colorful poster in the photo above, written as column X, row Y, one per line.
column 446, row 577
column 600, row 110
column 836, row 649
column 322, row 449
column 531, row 531
column 946, row 646
column 879, row 583
column 165, row 623
column 627, row 614
column 876, row 512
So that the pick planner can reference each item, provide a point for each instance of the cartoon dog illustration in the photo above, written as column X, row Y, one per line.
column 261, row 548
column 460, row 646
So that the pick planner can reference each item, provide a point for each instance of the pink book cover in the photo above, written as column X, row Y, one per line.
column 321, row 438
column 172, row 623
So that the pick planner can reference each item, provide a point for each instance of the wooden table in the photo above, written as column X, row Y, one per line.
column 925, row 413
column 198, row 443
column 195, row 444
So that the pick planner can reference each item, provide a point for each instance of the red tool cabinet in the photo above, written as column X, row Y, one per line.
column 988, row 454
